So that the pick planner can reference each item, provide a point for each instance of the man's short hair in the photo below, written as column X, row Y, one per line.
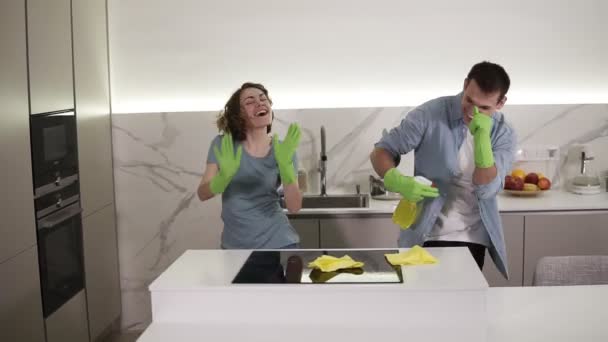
column 490, row 78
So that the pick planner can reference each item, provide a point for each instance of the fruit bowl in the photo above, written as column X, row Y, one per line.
column 524, row 193
column 518, row 183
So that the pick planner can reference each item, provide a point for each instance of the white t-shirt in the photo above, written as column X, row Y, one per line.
column 459, row 219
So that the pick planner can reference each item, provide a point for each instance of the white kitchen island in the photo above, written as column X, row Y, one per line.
column 195, row 300
column 197, row 290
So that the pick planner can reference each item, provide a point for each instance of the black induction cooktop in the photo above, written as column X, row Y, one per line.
column 291, row 267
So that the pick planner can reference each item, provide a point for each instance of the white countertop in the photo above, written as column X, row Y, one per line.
column 194, row 300
column 197, row 289
column 551, row 200
column 522, row 314
column 456, row 270
column 556, row 313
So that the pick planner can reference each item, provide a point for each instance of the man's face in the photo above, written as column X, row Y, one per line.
column 487, row 103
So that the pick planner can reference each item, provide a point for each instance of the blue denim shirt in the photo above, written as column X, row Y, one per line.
column 435, row 130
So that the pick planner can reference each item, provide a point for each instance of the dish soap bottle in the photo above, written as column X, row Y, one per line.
column 407, row 211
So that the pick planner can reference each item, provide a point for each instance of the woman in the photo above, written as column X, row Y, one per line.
column 247, row 167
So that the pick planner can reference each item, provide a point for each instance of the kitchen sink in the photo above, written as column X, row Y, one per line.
column 334, row 201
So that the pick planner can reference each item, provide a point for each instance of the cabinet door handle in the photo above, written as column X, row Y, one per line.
column 59, row 217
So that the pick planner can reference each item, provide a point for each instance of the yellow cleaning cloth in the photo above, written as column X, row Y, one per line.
column 414, row 256
column 328, row 263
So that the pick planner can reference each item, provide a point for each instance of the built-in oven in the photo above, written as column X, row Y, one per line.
column 54, row 150
column 60, row 253
column 68, row 194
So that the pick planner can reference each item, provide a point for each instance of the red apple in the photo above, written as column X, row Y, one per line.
column 509, row 182
column 518, row 184
column 531, row 178
column 544, row 184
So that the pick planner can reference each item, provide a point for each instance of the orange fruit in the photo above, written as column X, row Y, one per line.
column 519, row 173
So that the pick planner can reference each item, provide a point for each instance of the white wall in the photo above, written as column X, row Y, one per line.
column 187, row 55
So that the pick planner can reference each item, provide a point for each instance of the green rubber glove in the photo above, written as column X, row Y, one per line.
column 228, row 163
column 480, row 128
column 407, row 186
column 284, row 151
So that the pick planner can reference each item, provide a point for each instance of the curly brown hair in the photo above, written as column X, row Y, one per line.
column 230, row 120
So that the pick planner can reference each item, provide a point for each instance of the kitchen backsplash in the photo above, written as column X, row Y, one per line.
column 159, row 159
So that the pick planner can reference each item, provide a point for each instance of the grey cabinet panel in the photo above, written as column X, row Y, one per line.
column 69, row 322
column 101, row 269
column 20, row 299
column 358, row 233
column 17, row 231
column 92, row 99
column 513, row 226
column 308, row 229
column 565, row 234
column 50, row 55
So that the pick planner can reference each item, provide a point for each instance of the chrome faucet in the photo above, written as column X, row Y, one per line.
column 585, row 159
column 323, row 164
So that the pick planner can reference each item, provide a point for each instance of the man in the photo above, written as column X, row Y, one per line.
column 465, row 146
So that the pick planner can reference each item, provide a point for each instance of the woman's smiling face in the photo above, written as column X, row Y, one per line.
column 256, row 107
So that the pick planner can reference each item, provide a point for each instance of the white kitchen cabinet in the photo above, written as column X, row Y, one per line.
column 49, row 27
column 308, row 229
column 370, row 232
column 513, row 228
column 20, row 300
column 92, row 91
column 101, row 270
column 563, row 234
column 17, row 231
